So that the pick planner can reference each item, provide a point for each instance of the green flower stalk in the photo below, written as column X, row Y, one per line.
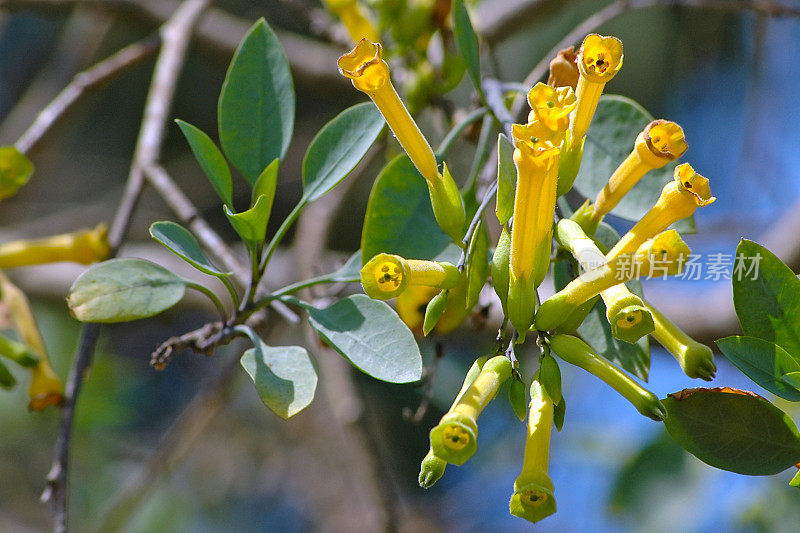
column 574, row 351
column 661, row 141
column 433, row 466
column 533, row 497
column 630, row 320
column 455, row 438
column 665, row 254
column 364, row 66
column 679, row 199
column 536, row 158
column 696, row 359
column 386, row 276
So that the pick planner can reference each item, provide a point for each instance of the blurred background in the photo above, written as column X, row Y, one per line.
column 192, row 448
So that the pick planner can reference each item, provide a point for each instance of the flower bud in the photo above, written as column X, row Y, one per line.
column 500, row 267
column 679, row 199
column 660, row 142
column 575, row 351
column 696, row 359
column 448, row 207
column 431, row 470
column 370, row 74
column 434, row 311
column 454, row 439
column 385, row 275
column 84, row 246
column 533, row 497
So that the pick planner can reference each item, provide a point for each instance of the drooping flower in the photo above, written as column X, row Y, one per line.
column 386, row 276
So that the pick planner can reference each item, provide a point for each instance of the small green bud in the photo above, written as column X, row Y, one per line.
column 447, row 204
column 500, row 267
column 431, row 470
column 434, row 311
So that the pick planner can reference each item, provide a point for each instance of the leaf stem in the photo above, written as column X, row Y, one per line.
column 280, row 234
column 231, row 290
column 208, row 292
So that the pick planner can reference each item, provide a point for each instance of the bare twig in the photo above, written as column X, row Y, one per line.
column 81, row 84
column 175, row 35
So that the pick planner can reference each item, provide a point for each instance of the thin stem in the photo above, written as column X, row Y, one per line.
column 459, row 128
column 231, row 290
column 281, row 233
column 473, row 225
column 214, row 298
column 494, row 99
column 487, row 135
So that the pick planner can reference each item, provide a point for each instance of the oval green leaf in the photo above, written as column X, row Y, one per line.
column 616, row 123
column 251, row 225
column 399, row 219
column 256, row 104
column 766, row 297
column 285, row 376
column 338, row 148
column 733, row 430
column 371, row 336
column 182, row 243
column 211, row 161
column 15, row 171
column 124, row 289
column 467, row 42
column 506, row 179
column 764, row 362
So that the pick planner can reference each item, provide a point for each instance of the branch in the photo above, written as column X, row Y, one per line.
column 83, row 83
column 175, row 35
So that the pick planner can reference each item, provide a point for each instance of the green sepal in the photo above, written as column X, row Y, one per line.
column 532, row 484
column 18, row 352
column 577, row 316
column 7, row 380
column 569, row 163
column 251, row 225
column 434, row 311
column 521, row 304
column 477, row 264
column 455, row 438
column 500, row 268
column 559, row 410
column 15, row 171
column 550, row 378
column 517, row 397
column 553, row 312
column 447, row 204
column 583, row 217
column 431, row 470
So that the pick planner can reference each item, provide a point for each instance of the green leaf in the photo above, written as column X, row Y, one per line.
column 477, row 264
column 15, row 171
column 506, row 179
column 285, row 376
column 338, row 147
column 399, row 219
column 211, row 161
column 763, row 362
column 616, row 123
column 256, row 104
column 559, row 410
column 371, row 336
column 251, row 225
column 125, row 289
column 467, row 42
column 550, row 377
column 517, row 397
column 183, row 244
column 793, row 379
column 733, row 430
column 266, row 184
column 350, row 271
column 768, row 306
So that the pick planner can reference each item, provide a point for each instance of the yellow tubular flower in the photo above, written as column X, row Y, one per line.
column 385, row 275
column 455, row 438
column 551, row 106
column 660, row 142
column 664, row 254
column 599, row 60
column 84, row 246
column 696, row 359
column 45, row 389
column 630, row 320
column 533, row 497
column 536, row 159
column 679, row 199
column 355, row 19
column 370, row 74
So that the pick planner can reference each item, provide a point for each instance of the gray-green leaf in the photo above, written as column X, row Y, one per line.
column 125, row 289
column 764, row 362
column 338, row 147
column 467, row 42
column 371, row 336
column 211, row 161
column 183, row 244
column 256, row 104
